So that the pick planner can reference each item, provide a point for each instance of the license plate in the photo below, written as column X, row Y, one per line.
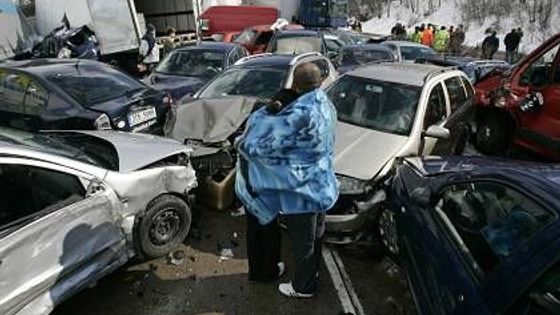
column 141, row 116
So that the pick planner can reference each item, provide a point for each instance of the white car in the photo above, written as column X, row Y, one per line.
column 77, row 205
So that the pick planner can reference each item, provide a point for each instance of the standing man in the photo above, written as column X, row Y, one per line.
column 441, row 40
column 289, row 154
column 427, row 36
column 456, row 41
column 490, row 45
column 416, row 35
column 511, row 42
column 169, row 41
column 149, row 52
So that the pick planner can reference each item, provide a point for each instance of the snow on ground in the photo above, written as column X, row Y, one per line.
column 448, row 14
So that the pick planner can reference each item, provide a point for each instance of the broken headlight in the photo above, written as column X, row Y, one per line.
column 353, row 186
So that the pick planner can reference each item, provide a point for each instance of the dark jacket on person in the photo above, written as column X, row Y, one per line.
column 512, row 41
column 490, row 45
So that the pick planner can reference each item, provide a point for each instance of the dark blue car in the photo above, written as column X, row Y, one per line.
column 475, row 69
column 352, row 56
column 475, row 235
column 188, row 68
column 77, row 94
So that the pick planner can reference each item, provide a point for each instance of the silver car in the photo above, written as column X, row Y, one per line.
column 406, row 51
column 77, row 205
column 385, row 112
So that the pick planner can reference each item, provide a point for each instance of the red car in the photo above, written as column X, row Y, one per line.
column 521, row 105
column 256, row 38
column 233, row 19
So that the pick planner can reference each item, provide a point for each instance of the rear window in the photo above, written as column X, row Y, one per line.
column 413, row 52
column 93, row 86
column 297, row 45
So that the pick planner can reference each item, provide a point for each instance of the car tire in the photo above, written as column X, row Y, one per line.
column 164, row 226
column 493, row 135
column 387, row 229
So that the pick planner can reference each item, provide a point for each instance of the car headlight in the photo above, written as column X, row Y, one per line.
column 103, row 122
column 352, row 186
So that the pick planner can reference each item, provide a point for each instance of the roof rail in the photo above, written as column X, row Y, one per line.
column 438, row 71
column 303, row 56
column 251, row 57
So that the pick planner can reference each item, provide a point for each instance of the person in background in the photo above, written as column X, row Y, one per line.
column 456, row 40
column 511, row 41
column 416, row 36
column 490, row 45
column 149, row 51
column 286, row 167
column 441, row 40
column 401, row 32
column 168, row 41
column 427, row 36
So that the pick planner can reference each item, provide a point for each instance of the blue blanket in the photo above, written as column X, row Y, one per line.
column 286, row 159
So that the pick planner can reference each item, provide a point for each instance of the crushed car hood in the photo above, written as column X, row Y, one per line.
column 211, row 120
column 361, row 153
column 136, row 151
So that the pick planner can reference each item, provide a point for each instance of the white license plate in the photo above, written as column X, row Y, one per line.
column 141, row 116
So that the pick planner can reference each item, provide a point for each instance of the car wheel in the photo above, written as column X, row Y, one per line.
column 388, row 231
column 165, row 225
column 493, row 136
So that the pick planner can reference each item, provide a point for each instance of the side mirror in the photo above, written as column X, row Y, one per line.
column 437, row 132
column 532, row 103
column 422, row 196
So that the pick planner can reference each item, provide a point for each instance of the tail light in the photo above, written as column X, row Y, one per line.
column 103, row 123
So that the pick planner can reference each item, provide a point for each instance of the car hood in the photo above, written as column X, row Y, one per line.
column 361, row 153
column 177, row 86
column 136, row 151
column 211, row 120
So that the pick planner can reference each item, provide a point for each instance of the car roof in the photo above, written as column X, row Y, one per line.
column 404, row 43
column 208, row 45
column 267, row 60
column 47, row 67
column 397, row 72
column 377, row 47
column 294, row 33
column 430, row 166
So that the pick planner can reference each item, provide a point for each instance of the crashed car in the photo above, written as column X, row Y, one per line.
column 387, row 111
column 476, row 235
column 217, row 113
column 475, row 69
column 519, row 106
column 77, row 205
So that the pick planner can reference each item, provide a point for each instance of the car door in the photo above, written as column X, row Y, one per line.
column 436, row 113
column 460, row 112
column 542, row 76
column 441, row 280
column 57, row 231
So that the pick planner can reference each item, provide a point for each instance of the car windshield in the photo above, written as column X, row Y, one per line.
column 256, row 82
column 96, row 86
column 415, row 52
column 378, row 105
column 80, row 147
column 297, row 45
column 195, row 63
column 361, row 56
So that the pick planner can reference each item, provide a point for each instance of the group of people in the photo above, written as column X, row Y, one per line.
column 149, row 52
column 491, row 44
column 442, row 40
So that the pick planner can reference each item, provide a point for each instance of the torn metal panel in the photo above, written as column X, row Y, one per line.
column 209, row 120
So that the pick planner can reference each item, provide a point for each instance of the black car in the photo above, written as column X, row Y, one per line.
column 77, row 94
column 188, row 68
column 352, row 56
column 294, row 42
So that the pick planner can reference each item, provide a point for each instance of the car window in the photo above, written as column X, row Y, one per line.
column 196, row 63
column 12, row 91
column 362, row 56
column 542, row 297
column 372, row 104
column 324, row 67
column 27, row 191
column 297, row 45
column 540, row 72
column 456, row 92
column 96, row 85
column 232, row 57
column 332, row 45
column 436, row 112
column 469, row 88
column 492, row 220
column 264, row 38
column 415, row 52
column 258, row 82
column 35, row 99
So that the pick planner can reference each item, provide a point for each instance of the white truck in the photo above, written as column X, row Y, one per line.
column 118, row 24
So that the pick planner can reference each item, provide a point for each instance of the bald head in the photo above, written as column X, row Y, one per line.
column 307, row 77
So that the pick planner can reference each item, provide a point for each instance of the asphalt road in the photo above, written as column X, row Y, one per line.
column 204, row 284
